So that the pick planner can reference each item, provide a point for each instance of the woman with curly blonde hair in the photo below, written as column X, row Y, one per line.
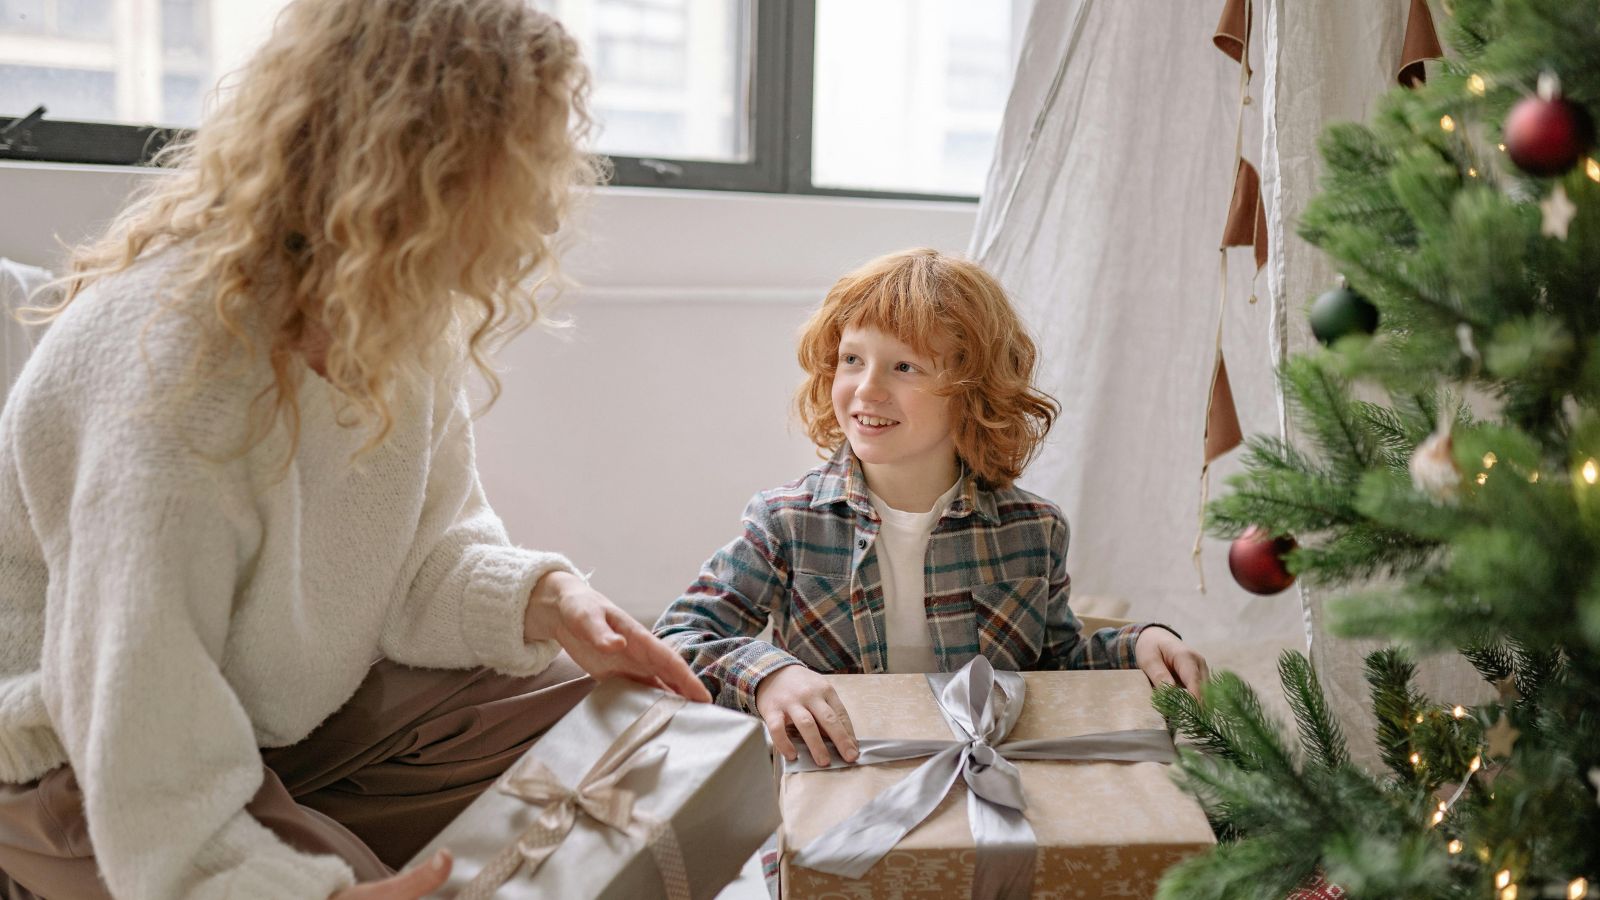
column 262, row 634
column 910, row 549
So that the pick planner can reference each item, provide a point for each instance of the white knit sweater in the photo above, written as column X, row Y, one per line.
column 168, row 606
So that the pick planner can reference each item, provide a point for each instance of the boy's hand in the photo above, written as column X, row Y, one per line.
column 602, row 639
column 1166, row 659
column 795, row 696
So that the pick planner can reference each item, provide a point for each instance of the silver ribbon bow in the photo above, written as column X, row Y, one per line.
column 597, row 796
column 980, row 705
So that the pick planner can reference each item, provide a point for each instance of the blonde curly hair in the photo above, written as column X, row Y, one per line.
column 382, row 173
column 953, row 310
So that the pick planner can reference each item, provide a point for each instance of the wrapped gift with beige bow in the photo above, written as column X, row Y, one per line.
column 990, row 785
column 636, row 793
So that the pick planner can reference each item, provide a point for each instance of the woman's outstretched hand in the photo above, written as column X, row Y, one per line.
column 412, row 884
column 602, row 639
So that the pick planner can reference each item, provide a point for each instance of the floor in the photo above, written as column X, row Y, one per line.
column 749, row 885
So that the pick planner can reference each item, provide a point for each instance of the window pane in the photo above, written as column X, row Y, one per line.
column 671, row 77
column 23, row 16
column 89, row 19
column 74, row 62
column 69, row 93
column 909, row 93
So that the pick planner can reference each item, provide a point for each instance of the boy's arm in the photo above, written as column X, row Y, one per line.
column 1066, row 646
column 715, row 623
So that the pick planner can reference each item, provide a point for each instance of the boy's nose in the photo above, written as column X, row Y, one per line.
column 871, row 389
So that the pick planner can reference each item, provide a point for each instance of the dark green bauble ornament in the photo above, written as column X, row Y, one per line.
column 1342, row 312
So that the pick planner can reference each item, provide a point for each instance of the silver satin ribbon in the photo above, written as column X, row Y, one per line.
column 598, row 796
column 980, row 705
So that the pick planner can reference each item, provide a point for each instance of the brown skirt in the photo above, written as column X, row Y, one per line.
column 372, row 784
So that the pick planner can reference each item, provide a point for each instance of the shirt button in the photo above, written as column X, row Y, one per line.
column 861, row 544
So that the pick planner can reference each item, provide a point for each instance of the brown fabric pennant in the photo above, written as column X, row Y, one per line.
column 1246, row 225
column 1222, row 417
column 1421, row 44
column 1233, row 30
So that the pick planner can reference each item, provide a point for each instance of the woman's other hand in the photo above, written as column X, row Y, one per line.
column 412, row 884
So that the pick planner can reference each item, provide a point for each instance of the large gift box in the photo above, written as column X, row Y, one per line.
column 634, row 794
column 990, row 784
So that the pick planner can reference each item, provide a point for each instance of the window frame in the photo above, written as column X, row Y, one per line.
column 780, row 123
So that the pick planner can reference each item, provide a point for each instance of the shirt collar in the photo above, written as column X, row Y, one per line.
column 844, row 481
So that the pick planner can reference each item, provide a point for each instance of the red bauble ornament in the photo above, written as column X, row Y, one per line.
column 1547, row 134
column 1256, row 560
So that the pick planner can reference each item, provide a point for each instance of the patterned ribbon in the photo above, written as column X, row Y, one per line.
column 980, row 705
column 598, row 797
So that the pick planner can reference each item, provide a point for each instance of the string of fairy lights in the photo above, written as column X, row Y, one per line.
column 1587, row 473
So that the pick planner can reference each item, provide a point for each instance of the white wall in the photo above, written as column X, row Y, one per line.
column 633, row 445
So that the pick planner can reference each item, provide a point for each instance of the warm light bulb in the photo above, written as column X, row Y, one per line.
column 1454, row 846
column 1590, row 471
column 1458, row 711
column 1533, row 477
column 1437, row 818
column 1416, row 759
column 1501, row 146
column 1475, row 84
column 1443, row 806
column 1472, row 173
column 1592, row 169
column 1476, row 764
column 1509, row 892
column 1577, row 888
column 1483, row 477
column 1489, row 459
column 1447, row 123
column 1419, row 718
column 1502, row 878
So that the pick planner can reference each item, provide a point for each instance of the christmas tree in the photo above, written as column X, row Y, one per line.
column 1445, row 497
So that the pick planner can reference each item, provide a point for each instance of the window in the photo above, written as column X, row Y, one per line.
column 891, row 97
column 909, row 93
column 671, row 76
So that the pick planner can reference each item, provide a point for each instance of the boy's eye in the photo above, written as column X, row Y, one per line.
column 848, row 359
column 905, row 367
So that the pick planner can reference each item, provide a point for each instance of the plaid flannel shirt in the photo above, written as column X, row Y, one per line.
column 995, row 583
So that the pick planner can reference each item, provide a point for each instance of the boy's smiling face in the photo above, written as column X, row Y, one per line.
column 884, row 399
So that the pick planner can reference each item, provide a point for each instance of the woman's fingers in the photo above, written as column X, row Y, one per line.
column 592, row 625
column 412, row 884
column 423, row 880
column 660, row 662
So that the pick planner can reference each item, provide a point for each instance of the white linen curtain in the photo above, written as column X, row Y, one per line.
column 1102, row 215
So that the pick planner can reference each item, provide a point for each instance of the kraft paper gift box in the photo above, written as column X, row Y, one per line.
column 1100, row 828
column 634, row 794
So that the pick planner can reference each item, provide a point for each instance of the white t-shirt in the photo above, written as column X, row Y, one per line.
column 902, row 558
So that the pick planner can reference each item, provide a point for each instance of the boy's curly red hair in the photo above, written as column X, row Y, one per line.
column 953, row 310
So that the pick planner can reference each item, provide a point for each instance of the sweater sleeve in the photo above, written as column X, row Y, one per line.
column 714, row 625
column 466, row 601
column 161, row 745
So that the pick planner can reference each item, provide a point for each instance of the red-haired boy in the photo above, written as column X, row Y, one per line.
column 910, row 549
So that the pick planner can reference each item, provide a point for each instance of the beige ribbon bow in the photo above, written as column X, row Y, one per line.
column 599, row 797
